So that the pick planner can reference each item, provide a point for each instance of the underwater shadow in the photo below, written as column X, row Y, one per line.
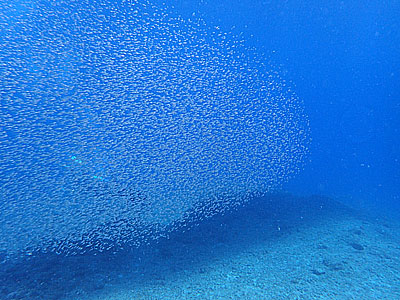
column 270, row 218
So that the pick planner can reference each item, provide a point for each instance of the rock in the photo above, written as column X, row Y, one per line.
column 318, row 272
column 356, row 246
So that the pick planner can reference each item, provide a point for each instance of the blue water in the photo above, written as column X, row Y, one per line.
column 343, row 59
column 199, row 150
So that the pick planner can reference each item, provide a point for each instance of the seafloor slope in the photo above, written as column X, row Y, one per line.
column 281, row 247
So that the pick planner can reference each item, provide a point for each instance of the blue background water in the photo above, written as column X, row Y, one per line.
column 344, row 58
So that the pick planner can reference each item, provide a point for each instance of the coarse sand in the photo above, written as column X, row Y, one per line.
column 276, row 247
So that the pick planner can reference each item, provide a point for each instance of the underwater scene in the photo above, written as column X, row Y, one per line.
column 241, row 149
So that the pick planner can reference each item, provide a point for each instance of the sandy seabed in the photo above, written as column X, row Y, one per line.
column 278, row 247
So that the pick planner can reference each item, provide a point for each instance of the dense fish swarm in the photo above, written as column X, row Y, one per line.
column 121, row 122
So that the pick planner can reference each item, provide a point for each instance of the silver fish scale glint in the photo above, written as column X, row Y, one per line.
column 121, row 122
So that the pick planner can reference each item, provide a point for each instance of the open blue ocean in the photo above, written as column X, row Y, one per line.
column 242, row 149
